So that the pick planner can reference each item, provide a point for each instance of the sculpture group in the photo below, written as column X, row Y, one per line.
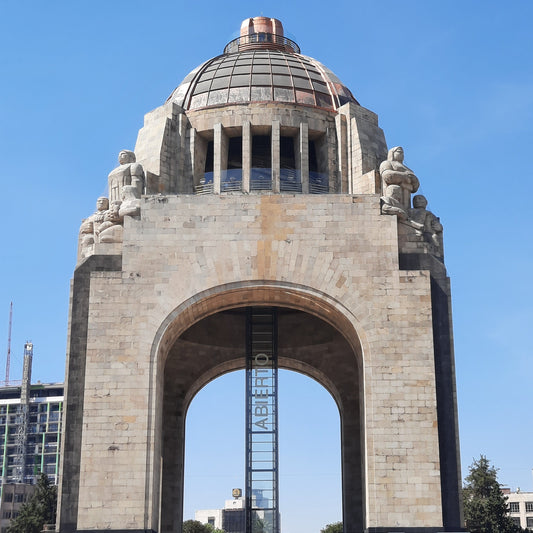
column 399, row 183
column 127, row 184
column 105, row 225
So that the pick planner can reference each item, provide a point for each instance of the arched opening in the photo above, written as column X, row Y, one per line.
column 206, row 339
column 310, row 459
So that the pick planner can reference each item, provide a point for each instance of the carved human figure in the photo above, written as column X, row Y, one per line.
column 391, row 204
column 129, row 172
column 432, row 228
column 110, row 230
column 131, row 203
column 394, row 172
column 91, row 223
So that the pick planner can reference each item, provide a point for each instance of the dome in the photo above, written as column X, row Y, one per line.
column 261, row 66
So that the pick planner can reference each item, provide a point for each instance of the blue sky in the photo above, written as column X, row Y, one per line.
column 452, row 82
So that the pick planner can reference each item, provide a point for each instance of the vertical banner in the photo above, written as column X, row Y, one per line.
column 262, row 494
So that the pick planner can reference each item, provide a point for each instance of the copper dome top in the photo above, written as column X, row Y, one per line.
column 261, row 66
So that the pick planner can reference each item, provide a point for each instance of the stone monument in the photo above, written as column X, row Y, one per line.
column 261, row 181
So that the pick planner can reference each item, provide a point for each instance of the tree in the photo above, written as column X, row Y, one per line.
column 485, row 506
column 193, row 526
column 333, row 528
column 40, row 509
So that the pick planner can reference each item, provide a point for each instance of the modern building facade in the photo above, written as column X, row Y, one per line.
column 30, row 436
column 42, row 433
column 520, row 507
column 14, row 496
column 232, row 518
column 260, row 182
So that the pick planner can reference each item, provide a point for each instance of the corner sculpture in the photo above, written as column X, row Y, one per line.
column 105, row 225
column 129, row 172
column 131, row 202
column 398, row 183
column 89, row 226
column 394, row 172
column 431, row 226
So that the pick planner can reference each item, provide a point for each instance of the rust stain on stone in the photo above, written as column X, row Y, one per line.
column 275, row 222
column 276, row 225
column 341, row 282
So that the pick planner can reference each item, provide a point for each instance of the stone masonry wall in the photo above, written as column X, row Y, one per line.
column 337, row 245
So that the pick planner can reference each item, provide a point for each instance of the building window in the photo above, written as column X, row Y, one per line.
column 529, row 521
column 318, row 177
column 231, row 179
column 211, row 520
column 6, row 514
column 261, row 175
column 529, row 507
column 8, row 497
column 514, row 507
column 19, row 498
column 515, row 520
column 290, row 178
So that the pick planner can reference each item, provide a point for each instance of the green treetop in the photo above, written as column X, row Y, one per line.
column 39, row 510
column 485, row 505
column 332, row 528
column 193, row 526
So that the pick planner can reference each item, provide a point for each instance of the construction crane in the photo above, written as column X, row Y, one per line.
column 8, row 360
column 22, row 417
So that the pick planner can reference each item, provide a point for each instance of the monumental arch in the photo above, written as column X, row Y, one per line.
column 261, row 181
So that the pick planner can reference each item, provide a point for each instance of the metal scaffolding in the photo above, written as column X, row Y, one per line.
column 262, row 490
column 20, row 472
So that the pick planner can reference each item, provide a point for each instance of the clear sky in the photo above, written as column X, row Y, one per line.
column 452, row 82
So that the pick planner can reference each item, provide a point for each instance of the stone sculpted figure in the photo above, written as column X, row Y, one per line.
column 391, row 204
column 91, row 224
column 431, row 226
column 394, row 172
column 129, row 172
column 110, row 230
column 131, row 203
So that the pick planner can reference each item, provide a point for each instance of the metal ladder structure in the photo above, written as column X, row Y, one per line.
column 262, row 455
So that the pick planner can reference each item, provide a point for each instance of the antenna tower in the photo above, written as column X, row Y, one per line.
column 8, row 360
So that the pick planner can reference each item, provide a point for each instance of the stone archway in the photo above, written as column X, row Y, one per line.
column 205, row 339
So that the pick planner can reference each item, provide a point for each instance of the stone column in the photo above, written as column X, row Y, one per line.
column 275, row 155
column 183, row 179
column 173, row 462
column 246, row 155
column 366, row 148
column 342, row 154
column 193, row 168
column 303, row 154
column 220, row 156
column 332, row 162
